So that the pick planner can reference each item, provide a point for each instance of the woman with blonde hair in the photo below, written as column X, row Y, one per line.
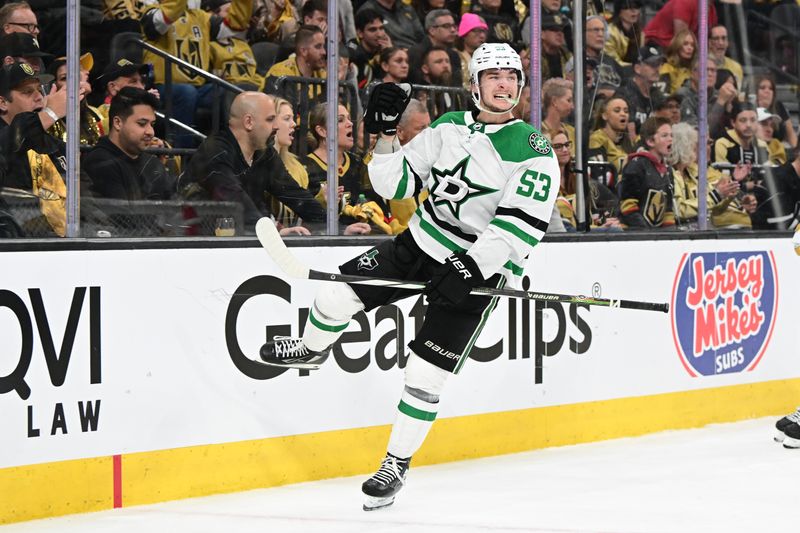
column 726, row 210
column 681, row 54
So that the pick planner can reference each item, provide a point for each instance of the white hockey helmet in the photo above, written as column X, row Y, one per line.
column 494, row 55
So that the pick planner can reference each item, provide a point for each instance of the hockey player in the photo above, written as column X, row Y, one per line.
column 788, row 427
column 493, row 181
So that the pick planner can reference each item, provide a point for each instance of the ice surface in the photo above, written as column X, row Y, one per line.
column 726, row 478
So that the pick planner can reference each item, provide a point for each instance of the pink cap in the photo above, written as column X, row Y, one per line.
column 469, row 22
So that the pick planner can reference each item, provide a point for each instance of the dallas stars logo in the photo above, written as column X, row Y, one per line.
column 453, row 188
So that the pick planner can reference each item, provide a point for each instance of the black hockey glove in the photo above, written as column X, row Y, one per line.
column 387, row 102
column 452, row 281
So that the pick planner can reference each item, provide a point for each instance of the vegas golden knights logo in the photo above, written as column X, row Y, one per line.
column 503, row 32
column 189, row 51
column 655, row 207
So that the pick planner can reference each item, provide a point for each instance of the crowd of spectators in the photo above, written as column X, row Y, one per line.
column 641, row 86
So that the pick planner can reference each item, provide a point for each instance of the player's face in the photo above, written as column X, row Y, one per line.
column 345, row 129
column 661, row 144
column 284, row 126
column 745, row 125
column 561, row 146
column 616, row 114
column 136, row 131
column 496, row 87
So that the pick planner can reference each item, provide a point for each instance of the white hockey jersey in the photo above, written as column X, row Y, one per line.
column 492, row 189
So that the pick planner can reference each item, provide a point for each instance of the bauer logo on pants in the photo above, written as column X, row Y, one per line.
column 723, row 310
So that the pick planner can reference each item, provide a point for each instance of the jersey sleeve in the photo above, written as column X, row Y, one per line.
column 522, row 215
column 400, row 174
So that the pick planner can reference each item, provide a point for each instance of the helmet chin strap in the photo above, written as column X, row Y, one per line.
column 476, row 98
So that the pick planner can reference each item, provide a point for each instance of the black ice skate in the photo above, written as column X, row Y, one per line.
column 792, row 440
column 382, row 487
column 785, row 422
column 290, row 352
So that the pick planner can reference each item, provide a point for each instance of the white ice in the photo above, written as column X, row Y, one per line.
column 721, row 478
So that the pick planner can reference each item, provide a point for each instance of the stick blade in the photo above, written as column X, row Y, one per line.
column 273, row 243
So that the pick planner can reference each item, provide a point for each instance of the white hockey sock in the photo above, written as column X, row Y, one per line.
column 333, row 307
column 415, row 417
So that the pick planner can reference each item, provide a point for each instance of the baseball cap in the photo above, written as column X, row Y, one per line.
column 13, row 75
column 122, row 68
column 469, row 22
column 21, row 45
column 763, row 114
column 552, row 21
column 649, row 54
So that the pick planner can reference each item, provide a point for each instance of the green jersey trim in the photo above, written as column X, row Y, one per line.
column 442, row 239
column 453, row 117
column 512, row 229
column 399, row 194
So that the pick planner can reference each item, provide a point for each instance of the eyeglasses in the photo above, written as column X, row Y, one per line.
column 29, row 26
column 562, row 146
column 448, row 26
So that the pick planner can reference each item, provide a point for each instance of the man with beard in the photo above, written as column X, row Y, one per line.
column 646, row 187
column 436, row 70
column 239, row 164
column 309, row 61
column 440, row 30
column 642, row 90
column 118, row 167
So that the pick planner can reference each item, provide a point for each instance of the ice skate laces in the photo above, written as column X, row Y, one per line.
column 289, row 347
column 389, row 471
column 795, row 417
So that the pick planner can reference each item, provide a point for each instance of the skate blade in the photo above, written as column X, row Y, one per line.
column 300, row 366
column 373, row 504
column 779, row 436
column 790, row 443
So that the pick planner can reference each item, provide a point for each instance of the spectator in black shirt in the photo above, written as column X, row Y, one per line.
column 239, row 165
column 440, row 31
column 118, row 167
column 642, row 90
column 365, row 52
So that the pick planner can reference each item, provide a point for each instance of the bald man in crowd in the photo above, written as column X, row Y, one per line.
column 239, row 164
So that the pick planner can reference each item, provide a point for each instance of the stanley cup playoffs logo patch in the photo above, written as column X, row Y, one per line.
column 723, row 310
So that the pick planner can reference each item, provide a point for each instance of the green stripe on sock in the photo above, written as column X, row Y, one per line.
column 325, row 327
column 413, row 412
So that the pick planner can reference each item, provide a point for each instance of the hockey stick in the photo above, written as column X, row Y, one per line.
column 273, row 243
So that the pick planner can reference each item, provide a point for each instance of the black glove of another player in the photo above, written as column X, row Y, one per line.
column 452, row 281
column 387, row 102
